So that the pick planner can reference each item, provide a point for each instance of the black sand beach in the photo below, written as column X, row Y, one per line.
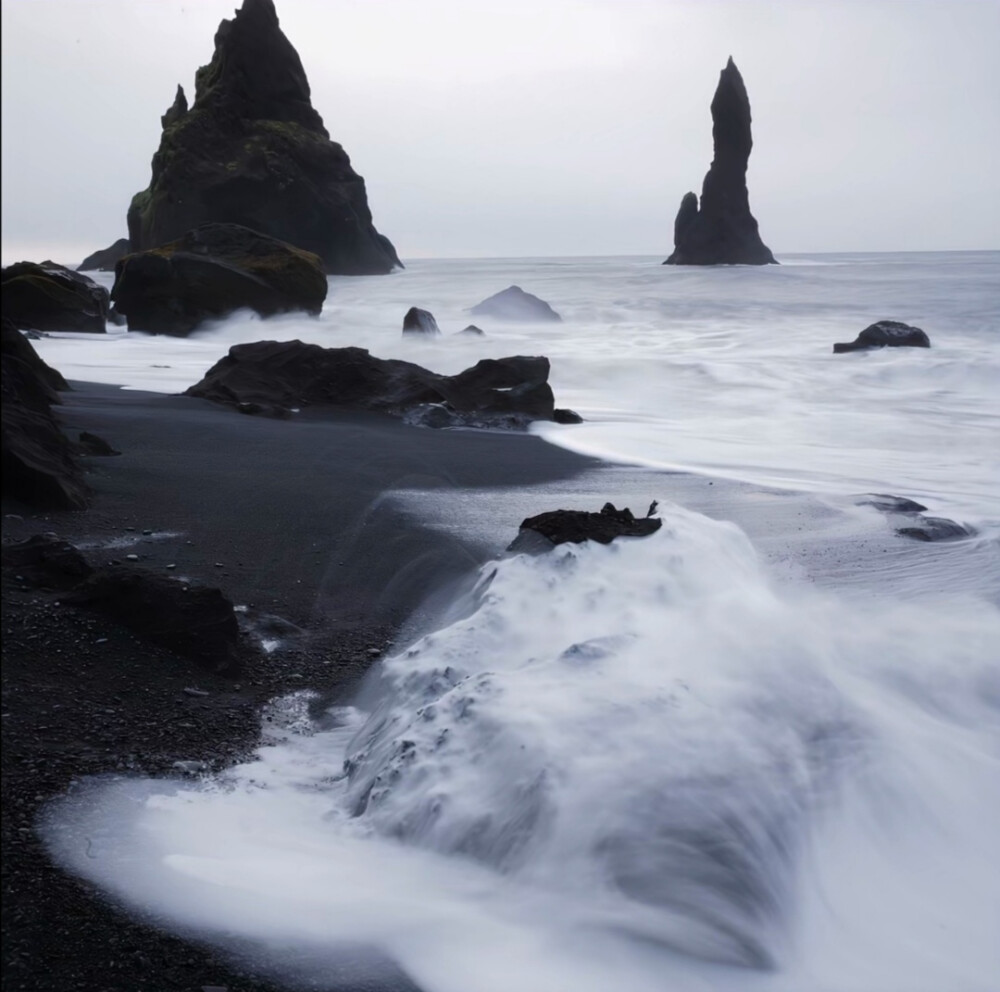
column 288, row 519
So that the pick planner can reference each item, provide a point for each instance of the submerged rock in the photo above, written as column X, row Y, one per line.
column 935, row 529
column 251, row 150
column 46, row 296
column 886, row 334
column 419, row 321
column 891, row 504
column 472, row 331
column 105, row 259
column 38, row 464
column 274, row 376
column 514, row 304
column 722, row 231
column 212, row 271
column 546, row 530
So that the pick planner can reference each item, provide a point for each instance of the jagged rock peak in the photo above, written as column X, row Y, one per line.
column 255, row 72
column 176, row 110
column 722, row 231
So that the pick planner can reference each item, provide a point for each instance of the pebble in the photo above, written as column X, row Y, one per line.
column 131, row 557
column 195, row 692
column 171, row 566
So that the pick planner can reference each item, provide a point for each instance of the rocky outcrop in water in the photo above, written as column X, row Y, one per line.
column 417, row 321
column 274, row 377
column 514, row 304
column 910, row 513
column 251, row 150
column 105, row 259
column 46, row 296
column 722, row 231
column 210, row 272
column 546, row 530
column 885, row 334
column 38, row 464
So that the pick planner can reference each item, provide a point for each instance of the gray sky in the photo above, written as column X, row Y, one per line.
column 547, row 127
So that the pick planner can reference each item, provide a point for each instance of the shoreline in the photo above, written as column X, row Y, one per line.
column 292, row 520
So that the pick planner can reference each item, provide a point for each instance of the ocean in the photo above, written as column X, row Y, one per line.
column 720, row 758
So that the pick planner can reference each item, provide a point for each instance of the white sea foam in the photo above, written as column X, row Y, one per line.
column 633, row 766
column 727, row 371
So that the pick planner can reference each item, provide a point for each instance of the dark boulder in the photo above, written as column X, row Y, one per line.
column 576, row 526
column 44, row 562
column 723, row 231
column 210, row 272
column 472, row 331
column 47, row 296
column 886, row 334
column 105, row 259
column 251, row 150
column 514, row 304
column 93, row 444
column 275, row 376
column 419, row 321
column 935, row 529
column 891, row 504
column 563, row 416
column 197, row 622
column 38, row 464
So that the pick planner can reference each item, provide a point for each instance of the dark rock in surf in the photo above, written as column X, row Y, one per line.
column 197, row 622
column 93, row 444
column 935, row 529
column 514, row 304
column 576, row 526
column 105, row 259
column 417, row 321
column 472, row 331
column 38, row 464
column 891, row 504
column 46, row 296
column 885, row 334
column 212, row 271
column 251, row 150
column 563, row 416
column 275, row 376
column 722, row 231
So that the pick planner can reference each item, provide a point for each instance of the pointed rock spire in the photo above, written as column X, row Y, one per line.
column 252, row 150
column 722, row 231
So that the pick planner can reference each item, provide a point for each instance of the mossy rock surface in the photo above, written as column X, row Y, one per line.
column 253, row 151
column 212, row 271
column 46, row 296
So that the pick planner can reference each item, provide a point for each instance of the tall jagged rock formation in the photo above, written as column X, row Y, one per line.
column 253, row 151
column 723, row 231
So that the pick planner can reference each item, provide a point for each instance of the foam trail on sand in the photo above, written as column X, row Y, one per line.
column 615, row 767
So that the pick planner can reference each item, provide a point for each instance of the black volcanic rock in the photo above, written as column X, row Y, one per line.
column 417, row 321
column 272, row 377
column 105, row 259
column 723, row 231
column 37, row 458
column 935, row 529
column 472, row 331
column 251, row 150
column 513, row 303
column 885, row 334
column 577, row 526
column 210, row 272
column 46, row 296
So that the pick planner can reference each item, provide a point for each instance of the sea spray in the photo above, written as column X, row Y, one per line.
column 618, row 766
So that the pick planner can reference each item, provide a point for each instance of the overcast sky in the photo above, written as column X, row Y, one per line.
column 547, row 127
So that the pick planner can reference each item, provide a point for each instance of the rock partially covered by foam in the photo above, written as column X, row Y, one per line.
column 46, row 296
column 212, row 271
column 417, row 321
column 514, row 304
column 722, row 231
column 546, row 530
column 252, row 150
column 885, row 334
column 273, row 377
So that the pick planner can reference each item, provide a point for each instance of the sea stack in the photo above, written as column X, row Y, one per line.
column 253, row 151
column 722, row 231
